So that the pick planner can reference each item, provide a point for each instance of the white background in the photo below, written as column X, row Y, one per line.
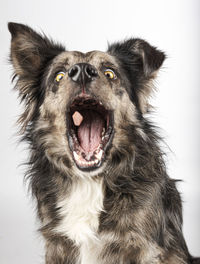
column 171, row 25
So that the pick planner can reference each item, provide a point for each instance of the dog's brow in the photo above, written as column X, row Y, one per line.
column 62, row 64
column 108, row 64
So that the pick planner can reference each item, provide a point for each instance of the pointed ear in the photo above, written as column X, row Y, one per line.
column 30, row 54
column 138, row 51
column 152, row 58
column 140, row 61
column 30, row 51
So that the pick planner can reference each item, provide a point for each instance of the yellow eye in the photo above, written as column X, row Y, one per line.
column 59, row 76
column 110, row 74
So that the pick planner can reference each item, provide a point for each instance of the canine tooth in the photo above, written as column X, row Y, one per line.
column 76, row 156
column 99, row 155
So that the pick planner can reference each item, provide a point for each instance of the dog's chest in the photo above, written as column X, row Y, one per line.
column 80, row 214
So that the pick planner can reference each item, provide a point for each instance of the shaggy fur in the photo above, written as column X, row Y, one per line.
column 124, row 209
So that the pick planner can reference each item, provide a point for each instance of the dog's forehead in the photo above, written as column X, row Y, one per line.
column 94, row 57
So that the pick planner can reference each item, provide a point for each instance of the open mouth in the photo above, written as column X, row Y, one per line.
column 90, row 127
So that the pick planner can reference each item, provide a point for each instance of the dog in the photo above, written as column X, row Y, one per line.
column 96, row 168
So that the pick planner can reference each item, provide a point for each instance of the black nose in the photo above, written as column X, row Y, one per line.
column 82, row 73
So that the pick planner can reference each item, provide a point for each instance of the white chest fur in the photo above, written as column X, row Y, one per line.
column 80, row 212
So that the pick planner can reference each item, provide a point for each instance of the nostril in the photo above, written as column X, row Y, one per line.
column 82, row 73
column 74, row 72
column 90, row 71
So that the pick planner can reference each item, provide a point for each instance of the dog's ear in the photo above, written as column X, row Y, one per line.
column 141, row 61
column 30, row 54
column 30, row 51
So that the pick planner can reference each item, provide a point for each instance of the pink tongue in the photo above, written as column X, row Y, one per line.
column 90, row 130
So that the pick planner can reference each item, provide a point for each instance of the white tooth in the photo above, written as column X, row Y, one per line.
column 96, row 161
column 99, row 155
column 76, row 156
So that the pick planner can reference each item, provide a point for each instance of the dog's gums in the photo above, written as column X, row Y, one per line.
column 90, row 132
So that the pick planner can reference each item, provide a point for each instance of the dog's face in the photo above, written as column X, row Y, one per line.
column 83, row 104
column 84, row 94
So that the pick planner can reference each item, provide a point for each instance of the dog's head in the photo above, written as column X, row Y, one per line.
column 81, row 108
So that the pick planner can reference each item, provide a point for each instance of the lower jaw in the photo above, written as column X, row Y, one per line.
column 89, row 173
column 95, row 162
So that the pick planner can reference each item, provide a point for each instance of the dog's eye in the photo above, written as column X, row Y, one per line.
column 59, row 76
column 110, row 74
